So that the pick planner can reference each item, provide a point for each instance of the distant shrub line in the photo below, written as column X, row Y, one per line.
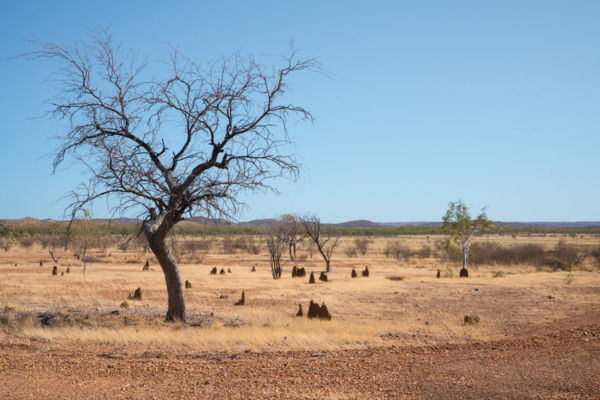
column 8, row 230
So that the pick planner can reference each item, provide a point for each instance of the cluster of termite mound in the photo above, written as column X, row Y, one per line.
column 315, row 311
column 55, row 271
column 364, row 273
column 322, row 277
column 221, row 272
column 298, row 272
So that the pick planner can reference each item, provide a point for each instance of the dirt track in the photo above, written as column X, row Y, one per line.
column 560, row 363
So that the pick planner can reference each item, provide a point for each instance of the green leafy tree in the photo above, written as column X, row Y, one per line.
column 461, row 227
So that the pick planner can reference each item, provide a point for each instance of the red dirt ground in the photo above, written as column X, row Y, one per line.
column 562, row 362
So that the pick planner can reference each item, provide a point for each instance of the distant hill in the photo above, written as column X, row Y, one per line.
column 354, row 224
column 27, row 221
column 359, row 223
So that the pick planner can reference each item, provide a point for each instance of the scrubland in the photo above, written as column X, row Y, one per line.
column 400, row 303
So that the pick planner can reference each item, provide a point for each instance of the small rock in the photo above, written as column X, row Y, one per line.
column 471, row 319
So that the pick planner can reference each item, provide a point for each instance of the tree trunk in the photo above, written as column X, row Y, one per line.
column 290, row 249
column 156, row 241
column 327, row 259
column 464, row 273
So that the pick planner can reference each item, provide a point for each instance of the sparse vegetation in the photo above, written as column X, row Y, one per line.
column 362, row 245
column 398, row 251
column 26, row 242
column 322, row 236
column 277, row 239
column 358, row 302
column 563, row 256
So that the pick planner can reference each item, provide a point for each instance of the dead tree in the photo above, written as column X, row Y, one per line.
column 186, row 144
column 322, row 236
column 293, row 232
column 55, row 242
column 276, row 239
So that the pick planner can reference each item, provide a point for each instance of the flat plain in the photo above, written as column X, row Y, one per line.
column 398, row 333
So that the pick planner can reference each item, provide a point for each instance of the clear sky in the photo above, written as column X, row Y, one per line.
column 494, row 102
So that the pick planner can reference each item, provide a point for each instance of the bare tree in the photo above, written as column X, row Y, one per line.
column 322, row 236
column 55, row 241
column 186, row 144
column 277, row 240
column 82, row 236
column 293, row 231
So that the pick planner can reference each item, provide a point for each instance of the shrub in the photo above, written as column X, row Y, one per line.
column 424, row 252
column 446, row 252
column 188, row 247
column 564, row 257
column 397, row 250
column 228, row 246
column 204, row 244
column 241, row 243
column 361, row 245
column 253, row 248
column 492, row 253
column 595, row 253
column 350, row 251
column 26, row 242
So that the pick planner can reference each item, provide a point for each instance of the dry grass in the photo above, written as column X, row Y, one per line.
column 374, row 311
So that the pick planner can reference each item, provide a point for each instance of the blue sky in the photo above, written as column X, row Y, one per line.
column 497, row 103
